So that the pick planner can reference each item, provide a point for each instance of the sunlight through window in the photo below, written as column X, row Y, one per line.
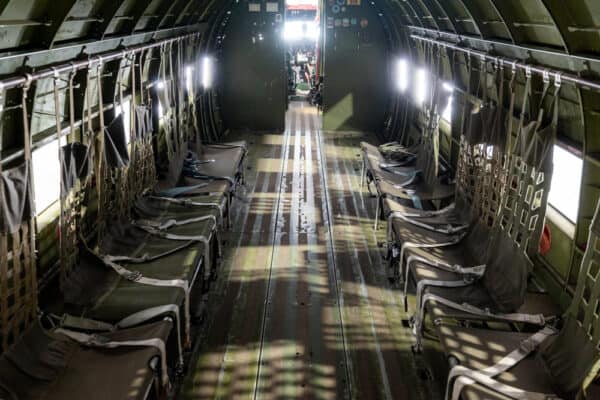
column 126, row 110
column 421, row 85
column 207, row 72
column 46, row 174
column 189, row 79
column 447, row 112
column 566, row 183
column 297, row 30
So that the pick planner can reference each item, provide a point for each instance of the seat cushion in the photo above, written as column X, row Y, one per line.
column 405, row 231
column 96, row 291
column 569, row 358
column 227, row 160
column 481, row 348
column 450, row 219
column 48, row 366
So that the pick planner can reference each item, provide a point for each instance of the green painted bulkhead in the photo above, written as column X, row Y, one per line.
column 252, row 75
column 356, row 61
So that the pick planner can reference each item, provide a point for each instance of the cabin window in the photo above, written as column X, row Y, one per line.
column 447, row 111
column 189, row 80
column 207, row 72
column 125, row 108
column 566, row 183
column 421, row 85
column 301, row 30
column 46, row 175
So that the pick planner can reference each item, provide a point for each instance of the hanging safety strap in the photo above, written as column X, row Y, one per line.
column 27, row 154
column 460, row 377
column 525, row 104
column 511, row 109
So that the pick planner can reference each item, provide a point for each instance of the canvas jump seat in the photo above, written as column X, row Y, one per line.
column 478, row 189
column 54, row 363
column 204, row 169
column 486, row 274
column 558, row 361
column 461, row 274
column 411, row 177
column 128, row 270
column 123, row 276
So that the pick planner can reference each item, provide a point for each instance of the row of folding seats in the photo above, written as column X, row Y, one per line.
column 467, row 255
column 132, row 290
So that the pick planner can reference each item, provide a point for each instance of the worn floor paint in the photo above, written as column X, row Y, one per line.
column 303, row 308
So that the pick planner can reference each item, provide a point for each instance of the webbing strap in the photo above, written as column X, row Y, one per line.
column 448, row 228
column 198, row 175
column 469, row 273
column 413, row 213
column 412, row 245
column 195, row 238
column 460, row 376
column 105, row 343
column 423, row 297
column 181, row 190
column 403, row 185
column 138, row 318
column 137, row 277
column 389, row 167
column 173, row 222
column 531, row 319
column 188, row 203
column 226, row 146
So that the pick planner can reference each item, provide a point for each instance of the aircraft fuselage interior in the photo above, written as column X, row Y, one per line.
column 300, row 199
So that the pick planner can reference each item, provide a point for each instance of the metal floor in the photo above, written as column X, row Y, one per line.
column 303, row 308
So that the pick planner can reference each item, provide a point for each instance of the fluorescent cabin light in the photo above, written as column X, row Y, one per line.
column 402, row 75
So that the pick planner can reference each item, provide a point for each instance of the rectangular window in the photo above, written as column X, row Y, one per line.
column 46, row 175
column 566, row 183
column 126, row 110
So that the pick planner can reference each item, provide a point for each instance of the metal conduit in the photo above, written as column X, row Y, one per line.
column 27, row 79
column 564, row 77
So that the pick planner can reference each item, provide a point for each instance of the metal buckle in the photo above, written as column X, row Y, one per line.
column 96, row 339
column 133, row 276
column 546, row 76
column 527, row 346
